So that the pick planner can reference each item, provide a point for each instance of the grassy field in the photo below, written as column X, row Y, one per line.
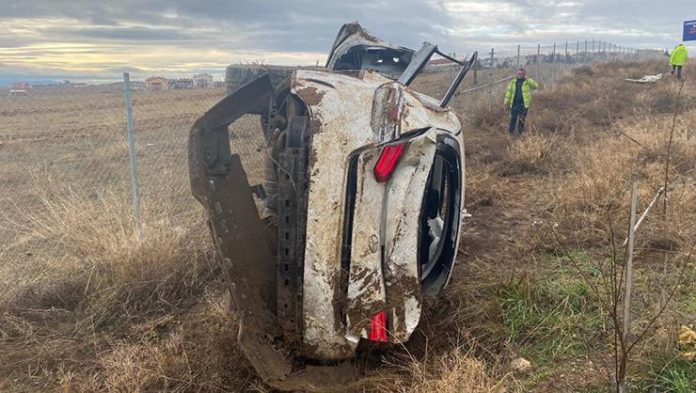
column 85, row 306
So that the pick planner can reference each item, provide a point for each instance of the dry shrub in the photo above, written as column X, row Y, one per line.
column 71, row 309
column 105, row 271
column 596, row 185
column 585, row 70
column 485, row 112
column 576, row 103
column 681, row 156
column 614, row 102
column 196, row 352
column 595, row 100
column 548, row 120
column 535, row 153
column 665, row 98
column 652, row 137
column 452, row 371
column 630, row 69
column 599, row 177
column 482, row 189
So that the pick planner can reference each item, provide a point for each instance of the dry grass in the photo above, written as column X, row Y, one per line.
column 536, row 153
column 86, row 306
column 587, row 135
column 102, row 307
column 450, row 372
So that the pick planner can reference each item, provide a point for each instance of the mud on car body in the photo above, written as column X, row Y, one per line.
column 366, row 185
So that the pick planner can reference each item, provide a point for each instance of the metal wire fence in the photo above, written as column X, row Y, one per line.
column 544, row 63
column 64, row 144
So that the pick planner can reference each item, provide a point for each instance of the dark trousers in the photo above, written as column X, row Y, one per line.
column 518, row 115
column 678, row 68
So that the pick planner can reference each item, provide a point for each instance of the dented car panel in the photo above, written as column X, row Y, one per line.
column 341, row 111
column 386, row 226
column 366, row 286
column 401, row 233
column 339, row 125
column 397, row 107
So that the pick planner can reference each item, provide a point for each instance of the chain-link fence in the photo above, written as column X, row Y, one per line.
column 64, row 163
column 54, row 142
column 544, row 63
column 59, row 145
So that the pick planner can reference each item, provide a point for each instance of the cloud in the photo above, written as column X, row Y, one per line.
column 119, row 33
column 83, row 36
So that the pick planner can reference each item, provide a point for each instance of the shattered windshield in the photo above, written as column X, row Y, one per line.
column 388, row 61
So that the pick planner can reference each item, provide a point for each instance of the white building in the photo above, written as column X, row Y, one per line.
column 203, row 81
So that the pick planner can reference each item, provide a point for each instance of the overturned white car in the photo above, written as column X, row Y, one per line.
column 364, row 193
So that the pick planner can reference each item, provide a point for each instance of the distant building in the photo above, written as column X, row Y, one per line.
column 67, row 83
column 17, row 92
column 203, row 81
column 157, row 83
column 182, row 83
column 21, row 86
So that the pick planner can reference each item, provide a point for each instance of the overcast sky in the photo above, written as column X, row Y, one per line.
column 101, row 39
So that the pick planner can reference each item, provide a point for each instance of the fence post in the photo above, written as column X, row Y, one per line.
column 490, row 71
column 518, row 56
column 593, row 56
column 537, row 59
column 132, row 154
column 553, row 64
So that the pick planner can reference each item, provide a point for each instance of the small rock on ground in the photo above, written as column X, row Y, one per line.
column 520, row 365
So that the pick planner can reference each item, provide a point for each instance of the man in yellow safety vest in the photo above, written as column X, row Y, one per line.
column 518, row 96
column 678, row 59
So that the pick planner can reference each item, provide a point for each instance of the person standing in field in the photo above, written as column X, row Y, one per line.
column 678, row 59
column 518, row 96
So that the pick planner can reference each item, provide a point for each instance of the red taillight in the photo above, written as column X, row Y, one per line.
column 388, row 160
column 378, row 328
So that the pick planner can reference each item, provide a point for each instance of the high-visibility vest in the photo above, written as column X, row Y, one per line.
column 678, row 56
column 528, row 85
